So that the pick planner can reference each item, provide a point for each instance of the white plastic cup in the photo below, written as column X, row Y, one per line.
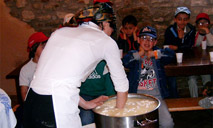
column 121, row 53
column 166, row 46
column 179, row 57
column 203, row 45
column 211, row 56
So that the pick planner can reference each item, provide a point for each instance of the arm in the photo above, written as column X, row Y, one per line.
column 93, row 103
column 121, row 99
column 117, row 72
column 189, row 39
column 171, row 38
column 130, row 58
column 24, row 90
column 209, row 37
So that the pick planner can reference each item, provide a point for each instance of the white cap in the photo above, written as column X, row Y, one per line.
column 182, row 9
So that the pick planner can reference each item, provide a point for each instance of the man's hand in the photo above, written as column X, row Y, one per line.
column 93, row 103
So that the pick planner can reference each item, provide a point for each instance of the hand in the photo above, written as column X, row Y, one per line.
column 135, row 33
column 150, row 54
column 204, row 30
column 92, row 103
column 204, row 92
column 122, row 30
column 173, row 47
column 135, row 29
column 121, row 99
column 180, row 33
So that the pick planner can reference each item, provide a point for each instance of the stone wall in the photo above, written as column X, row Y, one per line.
column 46, row 15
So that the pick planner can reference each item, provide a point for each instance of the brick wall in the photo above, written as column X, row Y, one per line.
column 46, row 15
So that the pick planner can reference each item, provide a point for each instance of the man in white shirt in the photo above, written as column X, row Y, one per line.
column 71, row 54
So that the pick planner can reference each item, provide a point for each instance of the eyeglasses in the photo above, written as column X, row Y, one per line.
column 146, row 38
column 203, row 23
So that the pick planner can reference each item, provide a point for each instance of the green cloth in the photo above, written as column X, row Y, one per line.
column 98, row 83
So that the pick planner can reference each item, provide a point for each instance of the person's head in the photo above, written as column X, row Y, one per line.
column 182, row 17
column 129, row 23
column 203, row 20
column 102, row 1
column 36, row 43
column 147, row 38
column 101, row 14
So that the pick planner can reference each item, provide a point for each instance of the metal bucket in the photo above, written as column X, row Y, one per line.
column 146, row 120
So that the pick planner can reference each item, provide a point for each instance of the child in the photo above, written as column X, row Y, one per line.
column 203, row 34
column 127, row 39
column 180, row 37
column 147, row 73
column 36, row 44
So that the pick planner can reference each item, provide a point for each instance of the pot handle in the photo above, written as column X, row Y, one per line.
column 144, row 122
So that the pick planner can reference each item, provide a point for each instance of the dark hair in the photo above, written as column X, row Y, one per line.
column 34, row 48
column 182, row 13
column 130, row 19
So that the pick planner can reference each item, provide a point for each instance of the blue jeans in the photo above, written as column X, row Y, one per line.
column 87, row 116
column 172, row 85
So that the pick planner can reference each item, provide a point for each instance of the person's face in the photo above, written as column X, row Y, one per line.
column 182, row 19
column 39, row 49
column 203, row 23
column 147, row 42
column 107, row 29
column 129, row 29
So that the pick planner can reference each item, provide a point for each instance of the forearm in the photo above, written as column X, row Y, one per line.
column 82, row 103
column 121, row 99
column 24, row 90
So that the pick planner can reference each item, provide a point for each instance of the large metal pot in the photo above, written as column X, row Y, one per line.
column 146, row 120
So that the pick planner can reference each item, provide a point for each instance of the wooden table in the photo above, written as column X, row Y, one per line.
column 15, row 75
column 195, row 62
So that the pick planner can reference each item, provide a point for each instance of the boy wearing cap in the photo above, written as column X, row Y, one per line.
column 36, row 44
column 203, row 34
column 180, row 37
column 146, row 73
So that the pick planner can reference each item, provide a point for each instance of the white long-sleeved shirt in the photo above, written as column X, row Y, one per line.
column 70, row 55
